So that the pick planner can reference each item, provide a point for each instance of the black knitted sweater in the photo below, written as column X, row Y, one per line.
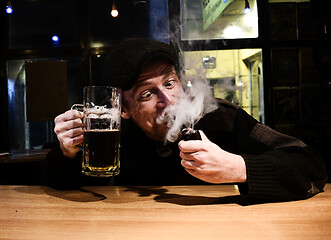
column 279, row 167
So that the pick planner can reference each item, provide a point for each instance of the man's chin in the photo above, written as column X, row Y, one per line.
column 160, row 133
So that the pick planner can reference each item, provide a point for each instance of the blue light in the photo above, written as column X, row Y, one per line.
column 55, row 39
column 247, row 10
column 9, row 9
column 11, row 90
column 225, row 1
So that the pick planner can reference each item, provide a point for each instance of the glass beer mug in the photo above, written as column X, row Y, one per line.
column 101, row 126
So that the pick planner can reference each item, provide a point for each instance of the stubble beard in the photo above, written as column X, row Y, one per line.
column 160, row 131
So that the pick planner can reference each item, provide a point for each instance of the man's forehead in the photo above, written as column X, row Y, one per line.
column 155, row 69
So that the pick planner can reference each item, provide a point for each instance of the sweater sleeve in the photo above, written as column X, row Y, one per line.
column 60, row 172
column 279, row 167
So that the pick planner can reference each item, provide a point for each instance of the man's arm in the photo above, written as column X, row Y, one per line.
column 62, row 167
column 278, row 167
column 60, row 172
column 286, row 170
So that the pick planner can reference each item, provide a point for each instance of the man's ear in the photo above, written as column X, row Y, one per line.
column 125, row 113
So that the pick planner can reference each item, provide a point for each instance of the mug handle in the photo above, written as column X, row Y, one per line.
column 80, row 108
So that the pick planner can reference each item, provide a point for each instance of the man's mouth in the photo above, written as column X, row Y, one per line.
column 163, row 119
column 164, row 124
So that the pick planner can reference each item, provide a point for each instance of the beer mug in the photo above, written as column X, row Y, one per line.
column 101, row 126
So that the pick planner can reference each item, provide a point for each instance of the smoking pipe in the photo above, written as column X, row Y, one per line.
column 190, row 134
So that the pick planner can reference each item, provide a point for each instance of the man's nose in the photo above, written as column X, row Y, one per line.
column 165, row 98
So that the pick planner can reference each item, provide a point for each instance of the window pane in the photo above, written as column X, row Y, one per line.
column 218, row 19
column 159, row 20
column 234, row 75
column 26, row 135
column 33, row 24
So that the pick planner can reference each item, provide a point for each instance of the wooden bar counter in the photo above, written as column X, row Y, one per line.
column 165, row 212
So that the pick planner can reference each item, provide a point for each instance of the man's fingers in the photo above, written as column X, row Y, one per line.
column 191, row 156
column 203, row 136
column 192, row 172
column 190, row 164
column 69, row 115
column 71, row 137
column 68, row 129
column 189, row 146
column 72, row 133
column 192, row 146
column 72, row 141
column 68, row 125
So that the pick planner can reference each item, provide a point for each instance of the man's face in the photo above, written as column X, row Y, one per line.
column 157, row 87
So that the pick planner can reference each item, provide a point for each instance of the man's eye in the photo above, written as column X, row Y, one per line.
column 145, row 94
column 170, row 82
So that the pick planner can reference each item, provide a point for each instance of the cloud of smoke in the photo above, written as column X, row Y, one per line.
column 198, row 100
column 188, row 110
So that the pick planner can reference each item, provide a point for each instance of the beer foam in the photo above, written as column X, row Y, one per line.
column 103, row 113
column 101, row 130
column 97, row 110
column 92, row 115
column 115, row 113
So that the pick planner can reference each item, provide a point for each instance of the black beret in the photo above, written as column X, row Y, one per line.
column 123, row 64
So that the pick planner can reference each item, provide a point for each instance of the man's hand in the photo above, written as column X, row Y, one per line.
column 69, row 131
column 208, row 162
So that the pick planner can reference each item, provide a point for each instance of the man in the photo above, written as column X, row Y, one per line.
column 235, row 148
